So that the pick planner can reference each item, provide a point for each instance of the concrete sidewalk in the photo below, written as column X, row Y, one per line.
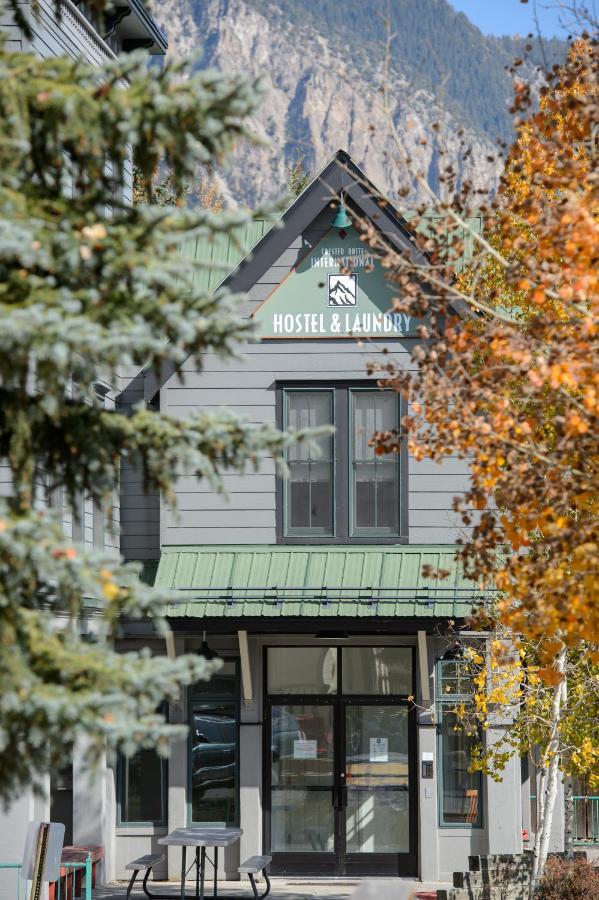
column 288, row 889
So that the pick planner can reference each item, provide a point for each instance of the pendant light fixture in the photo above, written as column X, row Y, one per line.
column 206, row 651
column 341, row 218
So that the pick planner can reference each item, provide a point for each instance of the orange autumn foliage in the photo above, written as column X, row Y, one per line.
column 514, row 388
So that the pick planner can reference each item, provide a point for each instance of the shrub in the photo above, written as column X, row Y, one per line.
column 566, row 879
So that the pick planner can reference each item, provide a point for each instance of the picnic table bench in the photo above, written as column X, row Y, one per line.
column 73, row 878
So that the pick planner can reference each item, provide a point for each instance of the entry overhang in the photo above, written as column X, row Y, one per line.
column 309, row 584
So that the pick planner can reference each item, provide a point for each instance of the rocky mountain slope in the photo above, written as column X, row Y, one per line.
column 323, row 66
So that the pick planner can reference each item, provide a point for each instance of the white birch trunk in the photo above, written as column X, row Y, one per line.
column 568, row 791
column 568, row 817
column 550, row 768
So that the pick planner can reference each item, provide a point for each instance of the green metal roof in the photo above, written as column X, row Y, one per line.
column 314, row 581
column 222, row 253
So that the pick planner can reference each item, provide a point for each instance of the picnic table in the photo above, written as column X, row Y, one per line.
column 200, row 838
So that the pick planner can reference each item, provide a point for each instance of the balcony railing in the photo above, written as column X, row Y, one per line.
column 586, row 820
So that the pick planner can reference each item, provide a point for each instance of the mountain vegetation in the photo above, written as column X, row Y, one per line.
column 321, row 64
column 440, row 49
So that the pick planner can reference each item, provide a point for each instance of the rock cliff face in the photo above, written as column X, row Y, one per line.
column 317, row 101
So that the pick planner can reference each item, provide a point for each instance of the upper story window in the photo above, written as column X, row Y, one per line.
column 345, row 492
column 309, row 490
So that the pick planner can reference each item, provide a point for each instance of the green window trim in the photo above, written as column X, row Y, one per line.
column 205, row 697
column 345, row 530
column 394, row 460
column 320, row 531
column 449, row 675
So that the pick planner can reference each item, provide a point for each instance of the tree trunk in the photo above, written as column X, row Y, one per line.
column 549, row 780
column 568, row 817
column 568, row 788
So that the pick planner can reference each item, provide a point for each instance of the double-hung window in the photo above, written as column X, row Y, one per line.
column 342, row 490
column 309, row 489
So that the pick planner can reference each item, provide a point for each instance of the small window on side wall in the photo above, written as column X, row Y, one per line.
column 142, row 786
column 460, row 790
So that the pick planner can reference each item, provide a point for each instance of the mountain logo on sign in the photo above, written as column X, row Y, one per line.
column 343, row 290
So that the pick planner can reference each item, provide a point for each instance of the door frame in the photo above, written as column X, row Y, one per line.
column 337, row 863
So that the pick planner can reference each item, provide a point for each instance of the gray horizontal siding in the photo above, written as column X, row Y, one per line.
column 285, row 358
column 436, row 535
column 265, row 499
column 140, row 515
column 433, row 500
column 225, row 535
column 220, row 518
column 247, row 386
column 253, row 415
column 450, row 465
column 235, row 485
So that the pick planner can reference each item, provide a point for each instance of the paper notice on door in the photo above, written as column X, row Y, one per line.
column 304, row 749
column 379, row 749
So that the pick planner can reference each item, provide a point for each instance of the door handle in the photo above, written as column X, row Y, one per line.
column 343, row 796
column 340, row 796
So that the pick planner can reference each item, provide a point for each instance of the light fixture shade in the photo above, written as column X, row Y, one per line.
column 341, row 219
column 207, row 651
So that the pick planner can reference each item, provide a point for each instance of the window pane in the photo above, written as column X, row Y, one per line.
column 309, row 488
column 213, row 763
column 302, row 670
column 302, row 821
column 462, row 790
column 302, row 747
column 455, row 680
column 375, row 480
column 142, row 790
column 378, row 821
column 377, row 670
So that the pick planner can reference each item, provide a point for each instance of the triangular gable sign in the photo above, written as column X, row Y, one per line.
column 337, row 290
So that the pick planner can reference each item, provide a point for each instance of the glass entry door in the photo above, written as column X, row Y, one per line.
column 303, row 820
column 341, row 798
column 375, row 794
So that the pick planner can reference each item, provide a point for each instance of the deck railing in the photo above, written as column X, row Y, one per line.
column 87, row 865
column 586, row 820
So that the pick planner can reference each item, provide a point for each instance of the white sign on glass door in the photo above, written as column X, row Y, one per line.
column 379, row 749
column 304, row 749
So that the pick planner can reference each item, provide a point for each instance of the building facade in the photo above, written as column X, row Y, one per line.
column 327, row 735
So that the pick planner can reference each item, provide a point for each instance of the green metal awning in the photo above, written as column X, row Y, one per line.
column 241, row 581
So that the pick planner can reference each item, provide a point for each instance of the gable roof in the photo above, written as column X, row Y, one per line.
column 264, row 241
column 340, row 174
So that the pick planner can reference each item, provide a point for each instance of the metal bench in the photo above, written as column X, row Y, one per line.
column 253, row 866
column 143, row 863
